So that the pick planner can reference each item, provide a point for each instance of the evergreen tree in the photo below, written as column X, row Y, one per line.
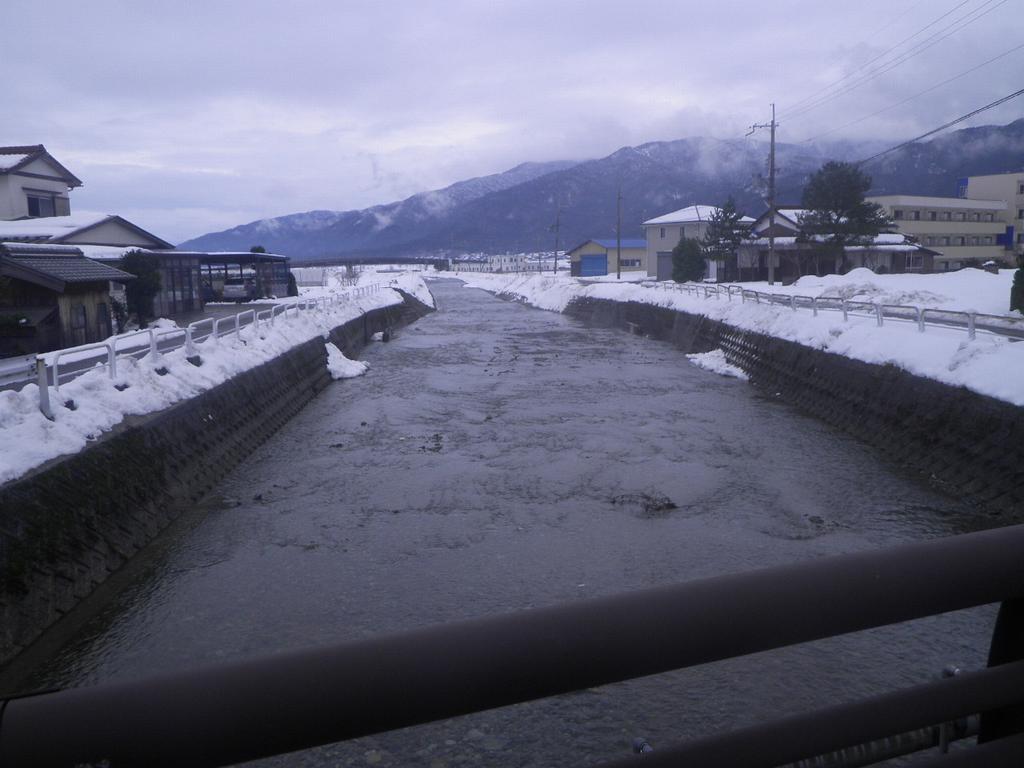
column 724, row 233
column 140, row 292
column 688, row 262
column 837, row 215
column 257, row 249
column 1017, row 289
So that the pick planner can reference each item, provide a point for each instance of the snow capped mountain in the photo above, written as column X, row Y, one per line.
column 515, row 210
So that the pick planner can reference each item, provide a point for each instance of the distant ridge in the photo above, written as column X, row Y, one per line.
column 514, row 210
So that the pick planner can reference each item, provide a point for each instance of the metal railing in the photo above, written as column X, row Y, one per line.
column 81, row 359
column 971, row 322
column 255, row 708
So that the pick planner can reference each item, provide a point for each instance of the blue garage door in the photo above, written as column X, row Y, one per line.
column 592, row 266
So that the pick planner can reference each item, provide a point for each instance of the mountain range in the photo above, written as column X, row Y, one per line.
column 515, row 210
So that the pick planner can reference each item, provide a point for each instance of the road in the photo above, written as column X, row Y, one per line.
column 496, row 458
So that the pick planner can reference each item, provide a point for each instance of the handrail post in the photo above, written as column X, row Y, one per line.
column 814, row 305
column 970, row 324
column 878, row 314
column 152, row 343
column 846, row 316
column 920, row 320
column 792, row 302
column 238, row 327
column 190, row 347
column 44, row 388
column 112, row 359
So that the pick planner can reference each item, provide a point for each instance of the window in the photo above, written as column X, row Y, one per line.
column 988, row 217
column 960, row 241
column 1020, row 213
column 915, row 215
column 932, row 215
column 41, row 205
column 1020, row 188
column 975, row 217
column 974, row 240
column 958, row 216
column 945, row 216
column 662, row 233
column 915, row 262
column 897, row 214
column 988, row 240
column 945, row 241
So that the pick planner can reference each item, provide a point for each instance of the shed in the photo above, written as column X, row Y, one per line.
column 596, row 257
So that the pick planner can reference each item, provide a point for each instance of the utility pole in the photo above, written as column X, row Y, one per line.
column 558, row 224
column 618, row 234
column 771, row 193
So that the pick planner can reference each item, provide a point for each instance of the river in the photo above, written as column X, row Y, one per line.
column 498, row 457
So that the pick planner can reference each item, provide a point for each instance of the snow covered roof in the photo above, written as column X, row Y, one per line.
column 692, row 213
column 887, row 241
column 56, row 229
column 610, row 243
column 12, row 158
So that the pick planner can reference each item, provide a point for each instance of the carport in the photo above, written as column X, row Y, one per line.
column 269, row 271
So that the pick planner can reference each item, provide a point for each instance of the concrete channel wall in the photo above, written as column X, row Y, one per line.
column 66, row 527
column 957, row 440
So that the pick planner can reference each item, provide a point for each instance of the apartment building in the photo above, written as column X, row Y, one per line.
column 964, row 232
column 1008, row 187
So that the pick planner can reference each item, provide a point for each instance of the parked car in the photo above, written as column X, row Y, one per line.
column 239, row 289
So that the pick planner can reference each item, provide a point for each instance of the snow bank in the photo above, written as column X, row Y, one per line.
column 342, row 367
column 715, row 362
column 29, row 439
column 990, row 365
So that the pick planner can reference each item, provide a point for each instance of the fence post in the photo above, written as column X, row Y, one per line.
column 44, row 388
column 878, row 314
column 814, row 305
column 792, row 302
column 190, row 347
column 238, row 327
column 920, row 320
column 970, row 325
column 152, row 343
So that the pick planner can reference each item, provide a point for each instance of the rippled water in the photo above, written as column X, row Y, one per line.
column 498, row 457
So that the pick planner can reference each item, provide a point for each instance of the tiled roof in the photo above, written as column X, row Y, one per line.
column 61, row 263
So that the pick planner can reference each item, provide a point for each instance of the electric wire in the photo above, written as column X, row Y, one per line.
column 918, row 49
column 932, row 132
column 884, row 53
column 935, row 87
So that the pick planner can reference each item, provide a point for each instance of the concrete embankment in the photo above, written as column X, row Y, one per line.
column 66, row 527
column 958, row 440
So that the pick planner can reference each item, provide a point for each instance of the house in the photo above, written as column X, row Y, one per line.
column 1008, row 187
column 599, row 257
column 663, row 233
column 52, row 296
column 33, row 183
column 794, row 256
column 965, row 232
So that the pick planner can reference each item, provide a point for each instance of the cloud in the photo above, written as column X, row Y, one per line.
column 260, row 109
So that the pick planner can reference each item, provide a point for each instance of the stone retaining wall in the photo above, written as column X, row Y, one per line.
column 955, row 439
column 67, row 526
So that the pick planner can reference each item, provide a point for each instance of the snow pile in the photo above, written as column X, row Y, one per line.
column 340, row 283
column 29, row 439
column 342, row 367
column 990, row 365
column 715, row 362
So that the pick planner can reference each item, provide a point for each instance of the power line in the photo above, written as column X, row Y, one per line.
column 918, row 49
column 859, row 67
column 960, row 119
column 916, row 95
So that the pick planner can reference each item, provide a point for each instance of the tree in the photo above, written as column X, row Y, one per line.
column 293, row 288
column 724, row 233
column 688, row 261
column 1017, row 289
column 837, row 215
column 257, row 249
column 140, row 292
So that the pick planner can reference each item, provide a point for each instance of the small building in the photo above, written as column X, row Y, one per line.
column 33, row 184
column 890, row 252
column 663, row 233
column 965, row 232
column 52, row 296
column 593, row 258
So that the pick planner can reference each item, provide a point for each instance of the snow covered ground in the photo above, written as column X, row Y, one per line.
column 28, row 439
column 991, row 365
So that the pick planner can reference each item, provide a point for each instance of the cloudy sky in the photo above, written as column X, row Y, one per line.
column 194, row 116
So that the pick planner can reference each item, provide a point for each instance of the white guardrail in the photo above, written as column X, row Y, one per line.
column 971, row 322
column 46, row 369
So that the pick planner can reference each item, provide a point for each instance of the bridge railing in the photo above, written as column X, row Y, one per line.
column 52, row 369
column 971, row 322
column 255, row 708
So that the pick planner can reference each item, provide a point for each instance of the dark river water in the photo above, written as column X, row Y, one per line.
column 498, row 457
